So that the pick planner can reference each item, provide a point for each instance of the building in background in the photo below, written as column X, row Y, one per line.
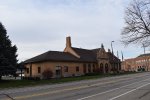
column 140, row 63
column 72, row 62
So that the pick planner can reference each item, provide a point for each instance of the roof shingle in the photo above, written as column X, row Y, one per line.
column 86, row 56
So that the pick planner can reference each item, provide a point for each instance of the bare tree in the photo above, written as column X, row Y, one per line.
column 137, row 20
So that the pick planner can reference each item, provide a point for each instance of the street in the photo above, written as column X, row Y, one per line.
column 125, row 87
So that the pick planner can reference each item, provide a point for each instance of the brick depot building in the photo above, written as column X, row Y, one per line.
column 72, row 62
column 140, row 63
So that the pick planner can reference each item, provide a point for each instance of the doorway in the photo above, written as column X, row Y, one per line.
column 101, row 68
column 58, row 71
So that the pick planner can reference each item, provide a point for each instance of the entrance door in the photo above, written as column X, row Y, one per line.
column 58, row 72
column 84, row 68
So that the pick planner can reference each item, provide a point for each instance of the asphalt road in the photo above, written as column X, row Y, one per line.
column 126, row 87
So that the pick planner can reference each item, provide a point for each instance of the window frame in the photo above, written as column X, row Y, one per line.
column 39, row 70
column 66, row 68
column 89, row 68
column 77, row 69
column 27, row 70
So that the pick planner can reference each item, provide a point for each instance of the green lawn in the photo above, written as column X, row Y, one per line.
column 22, row 83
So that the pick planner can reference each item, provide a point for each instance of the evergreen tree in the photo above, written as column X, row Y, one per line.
column 8, row 56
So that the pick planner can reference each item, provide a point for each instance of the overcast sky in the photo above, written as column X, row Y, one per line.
column 37, row 26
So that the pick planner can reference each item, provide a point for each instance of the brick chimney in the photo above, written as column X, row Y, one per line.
column 68, row 41
column 69, row 49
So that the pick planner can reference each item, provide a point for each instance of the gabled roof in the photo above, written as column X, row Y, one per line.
column 52, row 56
column 63, row 56
column 96, row 50
column 112, row 58
column 85, row 54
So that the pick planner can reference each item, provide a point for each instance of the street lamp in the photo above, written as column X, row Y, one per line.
column 112, row 56
column 143, row 47
column 112, row 46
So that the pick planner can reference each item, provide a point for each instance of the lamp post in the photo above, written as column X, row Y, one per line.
column 145, row 62
column 112, row 47
column 112, row 56
column 143, row 47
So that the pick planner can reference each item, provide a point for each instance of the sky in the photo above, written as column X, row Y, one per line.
column 37, row 26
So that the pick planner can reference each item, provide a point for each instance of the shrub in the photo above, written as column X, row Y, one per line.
column 92, row 74
column 31, row 78
column 97, row 70
column 47, row 74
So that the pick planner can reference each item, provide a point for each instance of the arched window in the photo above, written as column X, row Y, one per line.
column 94, row 68
column 101, row 67
column 89, row 68
column 106, row 68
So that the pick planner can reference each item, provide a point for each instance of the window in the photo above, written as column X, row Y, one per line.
column 84, row 68
column 27, row 70
column 77, row 69
column 58, row 67
column 106, row 68
column 89, row 68
column 94, row 68
column 101, row 67
column 65, row 68
column 39, row 69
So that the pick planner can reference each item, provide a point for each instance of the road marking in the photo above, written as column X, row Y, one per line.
column 69, row 89
column 75, row 88
column 110, row 90
column 129, row 91
column 40, row 94
column 12, row 91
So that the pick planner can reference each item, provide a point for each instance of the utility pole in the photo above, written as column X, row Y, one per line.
column 143, row 47
column 145, row 62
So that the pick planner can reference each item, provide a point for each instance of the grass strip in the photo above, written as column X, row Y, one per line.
column 23, row 83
